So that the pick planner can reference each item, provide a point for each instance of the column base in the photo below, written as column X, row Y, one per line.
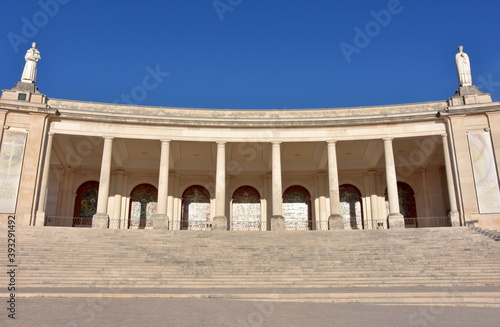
column 335, row 222
column 454, row 218
column 100, row 220
column 160, row 221
column 219, row 223
column 396, row 221
column 278, row 223
column 40, row 218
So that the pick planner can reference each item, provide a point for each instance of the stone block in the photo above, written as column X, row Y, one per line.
column 40, row 218
column 277, row 223
column 219, row 223
column 396, row 221
column 160, row 222
column 100, row 220
column 335, row 222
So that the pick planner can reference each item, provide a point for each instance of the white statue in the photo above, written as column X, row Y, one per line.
column 463, row 67
column 32, row 57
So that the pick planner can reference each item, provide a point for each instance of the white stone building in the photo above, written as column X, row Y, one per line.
column 73, row 163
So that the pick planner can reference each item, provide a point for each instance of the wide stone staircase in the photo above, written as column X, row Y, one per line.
column 444, row 266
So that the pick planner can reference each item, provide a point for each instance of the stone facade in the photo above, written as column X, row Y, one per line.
column 367, row 151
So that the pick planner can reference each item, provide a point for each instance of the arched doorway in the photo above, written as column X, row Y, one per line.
column 246, row 209
column 195, row 208
column 143, row 201
column 407, row 204
column 85, row 204
column 297, row 208
column 351, row 206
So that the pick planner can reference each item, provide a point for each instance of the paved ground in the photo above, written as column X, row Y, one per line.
column 73, row 312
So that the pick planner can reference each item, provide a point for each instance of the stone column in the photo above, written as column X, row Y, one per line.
column 454, row 214
column 335, row 221
column 220, row 219
column 42, row 201
column 277, row 219
column 395, row 219
column 161, row 218
column 101, row 218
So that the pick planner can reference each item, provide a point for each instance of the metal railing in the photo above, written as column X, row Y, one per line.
column 415, row 222
column 81, row 222
column 246, row 225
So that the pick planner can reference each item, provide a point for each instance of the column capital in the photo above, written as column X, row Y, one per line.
column 388, row 139
column 163, row 141
column 276, row 143
column 108, row 138
column 331, row 142
column 51, row 134
column 221, row 143
column 444, row 135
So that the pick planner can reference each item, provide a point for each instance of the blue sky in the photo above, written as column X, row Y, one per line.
column 251, row 54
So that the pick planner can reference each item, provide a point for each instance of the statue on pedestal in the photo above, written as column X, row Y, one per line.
column 32, row 57
column 463, row 68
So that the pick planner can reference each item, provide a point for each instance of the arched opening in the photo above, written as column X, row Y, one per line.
column 143, row 201
column 297, row 208
column 246, row 209
column 407, row 204
column 85, row 204
column 351, row 206
column 195, row 208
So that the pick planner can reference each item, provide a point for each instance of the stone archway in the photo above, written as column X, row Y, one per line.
column 85, row 204
column 297, row 208
column 143, row 202
column 246, row 214
column 195, row 208
column 351, row 207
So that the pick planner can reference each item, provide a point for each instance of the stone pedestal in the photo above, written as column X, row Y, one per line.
column 277, row 223
column 454, row 218
column 100, row 220
column 468, row 95
column 40, row 218
column 219, row 223
column 335, row 222
column 160, row 222
column 396, row 221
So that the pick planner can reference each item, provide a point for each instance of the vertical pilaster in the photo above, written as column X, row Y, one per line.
column 101, row 218
column 335, row 221
column 426, row 194
column 395, row 218
column 42, row 201
column 220, row 219
column 117, row 207
column 277, row 219
column 3, row 116
column 161, row 218
column 454, row 214
column 374, row 210
column 322, row 202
